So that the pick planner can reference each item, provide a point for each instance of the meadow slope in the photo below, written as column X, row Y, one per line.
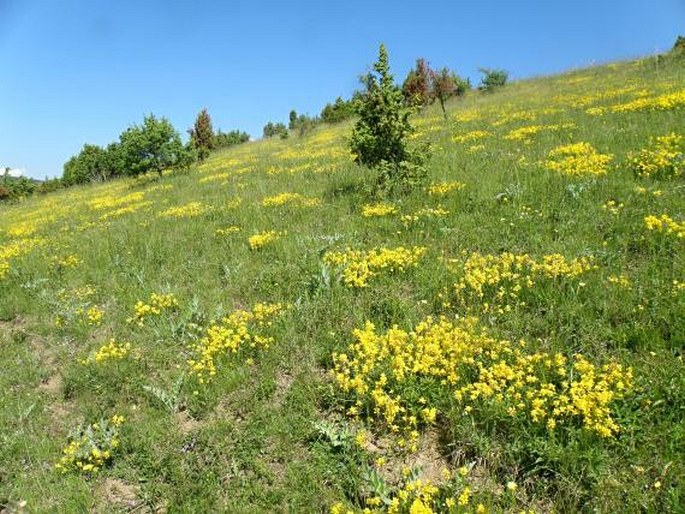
column 261, row 334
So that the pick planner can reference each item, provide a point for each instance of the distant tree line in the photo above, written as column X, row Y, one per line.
column 421, row 87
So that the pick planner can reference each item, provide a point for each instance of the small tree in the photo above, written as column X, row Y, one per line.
column 292, row 119
column 153, row 146
column 445, row 84
column 338, row 111
column 275, row 129
column 379, row 138
column 492, row 79
column 202, row 134
column 416, row 87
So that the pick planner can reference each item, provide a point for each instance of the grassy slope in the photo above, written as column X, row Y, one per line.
column 248, row 441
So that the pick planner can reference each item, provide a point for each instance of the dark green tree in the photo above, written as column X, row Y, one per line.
column 338, row 111
column 379, row 138
column 292, row 120
column 492, row 79
column 202, row 134
column 275, row 129
column 153, row 146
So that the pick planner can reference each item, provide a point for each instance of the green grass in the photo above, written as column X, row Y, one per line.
column 270, row 431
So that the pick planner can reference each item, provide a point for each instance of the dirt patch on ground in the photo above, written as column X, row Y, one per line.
column 284, row 380
column 51, row 385
column 186, row 423
column 115, row 492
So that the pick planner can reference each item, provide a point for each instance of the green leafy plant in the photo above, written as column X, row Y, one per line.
column 379, row 138
column 492, row 78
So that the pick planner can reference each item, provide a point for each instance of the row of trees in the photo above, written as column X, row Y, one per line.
column 155, row 145
column 422, row 86
column 380, row 138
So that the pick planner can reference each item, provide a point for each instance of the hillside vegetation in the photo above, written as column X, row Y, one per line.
column 260, row 333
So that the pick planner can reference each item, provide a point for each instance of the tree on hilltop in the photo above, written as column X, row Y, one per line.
column 202, row 134
column 416, row 87
column 153, row 146
column 445, row 84
column 379, row 138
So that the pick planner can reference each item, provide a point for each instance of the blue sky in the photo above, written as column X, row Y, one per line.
column 78, row 71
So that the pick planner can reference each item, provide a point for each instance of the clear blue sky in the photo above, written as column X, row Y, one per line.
column 77, row 71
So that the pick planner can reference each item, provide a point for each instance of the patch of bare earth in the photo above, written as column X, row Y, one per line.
column 117, row 493
column 186, row 423
column 284, row 381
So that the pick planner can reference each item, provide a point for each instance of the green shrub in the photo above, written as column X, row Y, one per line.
column 492, row 79
column 379, row 138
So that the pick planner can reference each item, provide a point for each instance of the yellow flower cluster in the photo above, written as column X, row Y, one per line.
column 613, row 207
column 157, row 304
column 664, row 102
column 111, row 201
column 91, row 447
column 474, row 135
column 418, row 496
column 227, row 231
column 666, row 225
column 500, row 279
column 525, row 134
column 578, row 159
column 443, row 188
column 380, row 369
column 426, row 212
column 94, row 316
column 359, row 266
column 290, row 198
column 378, row 209
column 665, row 158
column 619, row 280
column 14, row 249
column 129, row 209
column 239, row 329
column 257, row 241
column 188, row 210
column 68, row 261
column 110, row 351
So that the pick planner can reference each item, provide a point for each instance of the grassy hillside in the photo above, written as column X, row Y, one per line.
column 260, row 334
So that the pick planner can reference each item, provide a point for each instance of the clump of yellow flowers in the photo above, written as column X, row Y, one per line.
column 665, row 224
column 380, row 370
column 359, row 266
column 664, row 158
column 233, row 229
column 257, row 241
column 239, row 329
column 578, row 159
column 443, row 188
column 426, row 212
column 157, row 304
column 495, row 282
column 110, row 351
column 378, row 209
column 91, row 447
column 290, row 198
column 188, row 210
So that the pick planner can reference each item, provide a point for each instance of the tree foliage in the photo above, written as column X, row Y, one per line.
column 338, row 111
column 417, row 86
column 275, row 129
column 202, row 135
column 379, row 138
column 226, row 139
column 492, row 78
column 445, row 84
column 153, row 146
